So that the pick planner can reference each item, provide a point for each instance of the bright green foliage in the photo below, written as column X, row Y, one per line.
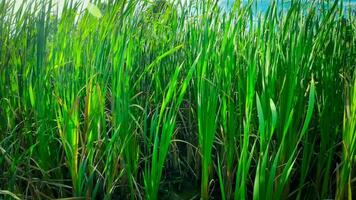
column 345, row 175
column 136, row 99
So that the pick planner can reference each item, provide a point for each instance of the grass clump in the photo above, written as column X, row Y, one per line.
column 172, row 100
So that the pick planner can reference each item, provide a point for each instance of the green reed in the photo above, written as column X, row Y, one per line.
column 165, row 100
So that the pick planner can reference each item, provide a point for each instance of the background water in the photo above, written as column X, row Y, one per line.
column 262, row 5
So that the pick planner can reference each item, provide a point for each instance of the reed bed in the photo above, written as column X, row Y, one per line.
column 135, row 99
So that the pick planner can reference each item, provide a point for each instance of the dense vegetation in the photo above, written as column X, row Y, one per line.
column 134, row 99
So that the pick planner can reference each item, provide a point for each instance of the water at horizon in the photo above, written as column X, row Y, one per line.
column 262, row 5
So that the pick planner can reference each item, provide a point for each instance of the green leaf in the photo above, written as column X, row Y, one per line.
column 310, row 108
column 274, row 114
column 261, row 121
column 32, row 97
column 94, row 10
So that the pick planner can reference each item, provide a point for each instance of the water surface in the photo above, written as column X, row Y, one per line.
column 261, row 6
